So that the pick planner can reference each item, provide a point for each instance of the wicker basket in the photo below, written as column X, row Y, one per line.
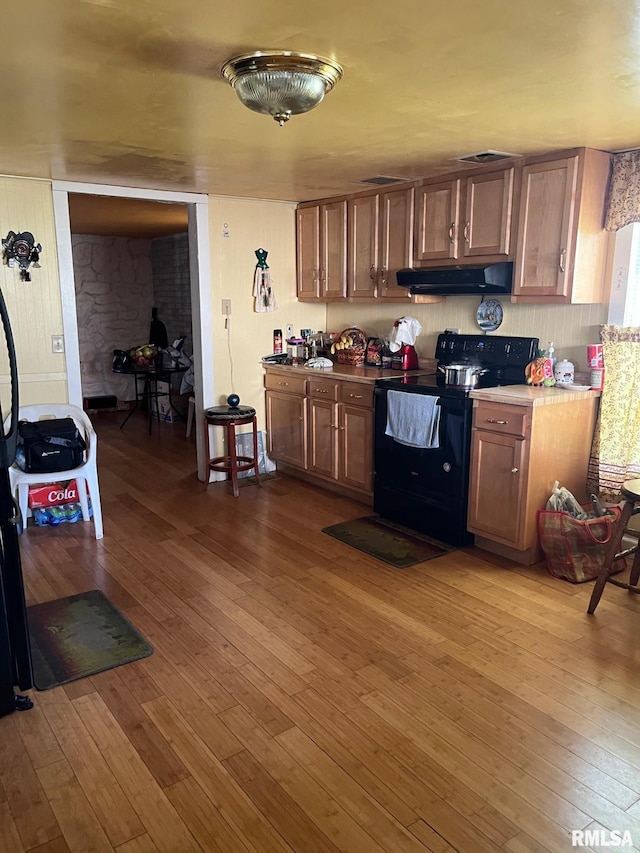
column 354, row 354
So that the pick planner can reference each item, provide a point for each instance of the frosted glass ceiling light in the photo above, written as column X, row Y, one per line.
column 281, row 83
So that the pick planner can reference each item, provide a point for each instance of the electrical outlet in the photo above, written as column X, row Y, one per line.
column 289, row 330
column 57, row 343
column 226, row 307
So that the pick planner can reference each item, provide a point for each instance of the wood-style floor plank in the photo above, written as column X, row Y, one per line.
column 303, row 696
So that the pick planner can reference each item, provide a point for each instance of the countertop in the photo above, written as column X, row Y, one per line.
column 351, row 372
column 528, row 395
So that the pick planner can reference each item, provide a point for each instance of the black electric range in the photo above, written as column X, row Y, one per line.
column 426, row 488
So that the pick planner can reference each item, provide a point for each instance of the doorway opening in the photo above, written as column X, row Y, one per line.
column 138, row 218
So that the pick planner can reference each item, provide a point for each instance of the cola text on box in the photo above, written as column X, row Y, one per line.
column 53, row 494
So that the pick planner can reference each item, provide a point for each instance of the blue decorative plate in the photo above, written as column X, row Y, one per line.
column 489, row 315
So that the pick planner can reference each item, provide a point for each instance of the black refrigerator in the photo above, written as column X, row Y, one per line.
column 15, row 652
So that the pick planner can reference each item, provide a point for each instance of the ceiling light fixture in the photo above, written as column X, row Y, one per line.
column 281, row 83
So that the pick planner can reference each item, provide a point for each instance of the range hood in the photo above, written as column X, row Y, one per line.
column 485, row 278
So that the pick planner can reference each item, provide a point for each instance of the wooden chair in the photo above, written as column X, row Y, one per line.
column 631, row 493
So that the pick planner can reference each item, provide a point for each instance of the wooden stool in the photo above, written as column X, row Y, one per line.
column 231, row 417
column 631, row 493
column 190, row 414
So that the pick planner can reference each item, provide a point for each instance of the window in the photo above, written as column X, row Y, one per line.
column 624, row 304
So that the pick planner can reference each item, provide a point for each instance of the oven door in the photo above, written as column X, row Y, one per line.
column 426, row 489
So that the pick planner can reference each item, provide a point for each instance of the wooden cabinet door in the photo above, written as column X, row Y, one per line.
column 396, row 241
column 496, row 488
column 544, row 258
column 362, row 229
column 323, row 438
column 437, row 216
column 308, row 252
column 333, row 250
column 486, row 229
column 356, row 447
column 287, row 427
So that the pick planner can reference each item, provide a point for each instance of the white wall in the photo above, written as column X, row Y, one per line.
column 570, row 327
column 35, row 308
column 237, row 228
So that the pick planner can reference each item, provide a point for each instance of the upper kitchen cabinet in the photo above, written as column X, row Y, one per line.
column 561, row 245
column 322, row 251
column 464, row 218
column 380, row 235
column 396, row 242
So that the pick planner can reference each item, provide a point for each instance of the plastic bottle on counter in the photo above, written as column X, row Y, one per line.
column 564, row 372
column 277, row 340
column 551, row 356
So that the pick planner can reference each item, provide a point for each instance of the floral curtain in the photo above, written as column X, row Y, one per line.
column 623, row 205
column 616, row 449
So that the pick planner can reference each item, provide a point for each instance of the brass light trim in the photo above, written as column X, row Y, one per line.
column 281, row 83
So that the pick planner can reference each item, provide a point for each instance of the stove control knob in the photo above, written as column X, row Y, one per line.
column 446, row 467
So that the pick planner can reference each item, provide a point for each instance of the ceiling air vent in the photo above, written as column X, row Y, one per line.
column 488, row 156
column 381, row 180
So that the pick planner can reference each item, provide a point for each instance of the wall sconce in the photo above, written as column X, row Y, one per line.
column 21, row 249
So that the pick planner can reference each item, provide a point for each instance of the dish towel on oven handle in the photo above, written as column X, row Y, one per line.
column 413, row 419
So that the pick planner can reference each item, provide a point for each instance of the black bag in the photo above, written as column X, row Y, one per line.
column 51, row 445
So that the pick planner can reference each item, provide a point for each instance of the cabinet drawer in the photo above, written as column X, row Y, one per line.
column 281, row 382
column 512, row 420
column 323, row 388
column 356, row 394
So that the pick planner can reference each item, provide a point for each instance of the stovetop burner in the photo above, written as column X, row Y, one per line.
column 503, row 358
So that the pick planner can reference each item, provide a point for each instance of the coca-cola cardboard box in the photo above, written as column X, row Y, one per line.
column 53, row 494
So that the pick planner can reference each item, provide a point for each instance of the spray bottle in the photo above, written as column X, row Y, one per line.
column 551, row 356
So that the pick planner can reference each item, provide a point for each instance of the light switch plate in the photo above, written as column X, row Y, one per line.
column 226, row 307
column 57, row 343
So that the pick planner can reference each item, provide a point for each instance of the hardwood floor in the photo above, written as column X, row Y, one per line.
column 304, row 697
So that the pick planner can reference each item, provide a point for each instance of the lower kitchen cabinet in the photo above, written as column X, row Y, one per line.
column 356, row 447
column 323, row 438
column 341, row 432
column 517, row 452
column 324, row 433
column 286, row 420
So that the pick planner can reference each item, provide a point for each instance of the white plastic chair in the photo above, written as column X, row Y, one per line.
column 85, row 475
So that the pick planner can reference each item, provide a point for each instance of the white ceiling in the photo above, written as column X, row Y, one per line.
column 129, row 91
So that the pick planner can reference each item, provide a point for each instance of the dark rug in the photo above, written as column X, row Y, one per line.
column 392, row 543
column 80, row 635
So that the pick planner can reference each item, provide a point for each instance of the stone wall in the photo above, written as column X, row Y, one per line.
column 114, row 298
column 118, row 281
column 172, row 286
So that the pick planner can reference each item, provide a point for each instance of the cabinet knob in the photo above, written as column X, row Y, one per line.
column 321, row 390
column 383, row 275
column 357, row 396
column 452, row 229
column 563, row 258
column 514, row 470
column 372, row 272
column 495, row 421
column 467, row 225
column 283, row 383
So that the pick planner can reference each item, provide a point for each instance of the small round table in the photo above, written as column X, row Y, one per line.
column 150, row 377
column 231, row 417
